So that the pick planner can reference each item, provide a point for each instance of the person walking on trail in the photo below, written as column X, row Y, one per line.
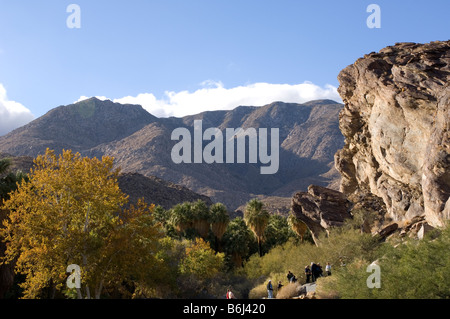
column 319, row 270
column 308, row 274
column 293, row 279
column 289, row 276
column 328, row 269
column 230, row 294
column 279, row 286
column 314, row 271
column 270, row 290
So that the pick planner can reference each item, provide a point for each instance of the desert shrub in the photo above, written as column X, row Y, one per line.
column 288, row 291
column 327, row 288
column 259, row 291
column 237, row 282
column 416, row 269
column 342, row 245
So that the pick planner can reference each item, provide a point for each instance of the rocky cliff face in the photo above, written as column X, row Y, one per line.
column 321, row 208
column 396, row 125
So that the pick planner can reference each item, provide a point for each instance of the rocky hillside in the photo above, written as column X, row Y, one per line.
column 396, row 157
column 157, row 191
column 396, row 123
column 78, row 126
column 141, row 143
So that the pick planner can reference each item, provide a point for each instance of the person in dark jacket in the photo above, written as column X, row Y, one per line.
column 314, row 272
column 319, row 270
column 307, row 274
column 289, row 276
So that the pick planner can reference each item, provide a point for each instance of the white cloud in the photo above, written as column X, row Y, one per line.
column 82, row 98
column 214, row 96
column 12, row 114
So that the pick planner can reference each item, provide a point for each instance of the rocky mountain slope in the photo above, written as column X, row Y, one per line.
column 157, row 191
column 396, row 123
column 141, row 143
column 396, row 158
column 78, row 126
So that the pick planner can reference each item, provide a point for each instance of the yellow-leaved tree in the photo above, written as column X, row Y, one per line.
column 71, row 212
column 200, row 260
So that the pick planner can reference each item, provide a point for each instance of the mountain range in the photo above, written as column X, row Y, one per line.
column 141, row 143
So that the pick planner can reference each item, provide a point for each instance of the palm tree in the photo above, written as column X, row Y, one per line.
column 237, row 240
column 5, row 164
column 257, row 218
column 298, row 226
column 219, row 222
column 201, row 218
column 181, row 216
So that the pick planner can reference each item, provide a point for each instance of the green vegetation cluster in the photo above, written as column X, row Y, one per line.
column 70, row 210
column 409, row 268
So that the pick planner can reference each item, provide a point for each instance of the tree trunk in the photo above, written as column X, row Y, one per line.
column 98, row 290
column 86, row 231
column 88, row 292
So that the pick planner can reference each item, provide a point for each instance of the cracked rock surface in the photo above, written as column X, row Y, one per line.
column 396, row 126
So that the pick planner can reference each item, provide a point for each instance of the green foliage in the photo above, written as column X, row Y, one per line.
column 238, row 240
column 416, row 269
column 257, row 218
column 70, row 212
column 298, row 226
column 10, row 181
column 5, row 164
column 219, row 213
column 161, row 215
column 181, row 216
column 340, row 245
column 219, row 221
column 201, row 261
column 201, row 218
column 191, row 219
column 277, row 232
column 192, row 268
column 200, row 211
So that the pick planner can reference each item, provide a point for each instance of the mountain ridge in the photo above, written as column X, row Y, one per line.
column 141, row 143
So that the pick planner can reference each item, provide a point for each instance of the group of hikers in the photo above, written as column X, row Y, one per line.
column 316, row 271
column 312, row 272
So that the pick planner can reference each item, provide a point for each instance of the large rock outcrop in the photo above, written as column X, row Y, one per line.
column 396, row 125
column 321, row 208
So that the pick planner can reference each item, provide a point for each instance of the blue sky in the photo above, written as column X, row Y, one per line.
column 183, row 56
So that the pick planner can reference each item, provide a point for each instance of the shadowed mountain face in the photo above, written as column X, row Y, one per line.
column 309, row 136
column 150, row 188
